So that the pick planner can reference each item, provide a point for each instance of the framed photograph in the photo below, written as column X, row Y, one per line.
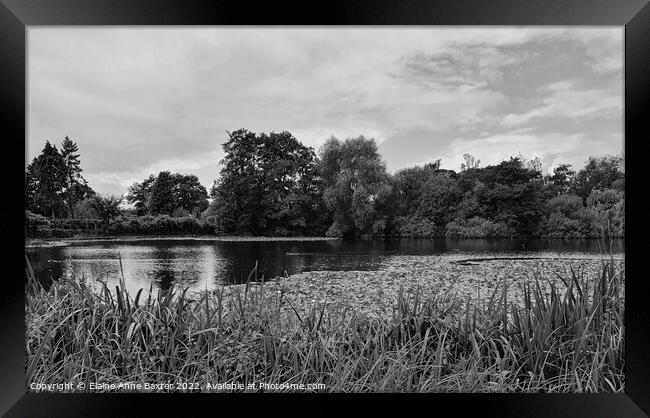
column 431, row 200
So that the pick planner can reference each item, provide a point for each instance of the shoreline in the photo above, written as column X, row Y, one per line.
column 58, row 242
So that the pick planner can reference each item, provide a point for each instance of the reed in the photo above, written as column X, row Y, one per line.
column 562, row 338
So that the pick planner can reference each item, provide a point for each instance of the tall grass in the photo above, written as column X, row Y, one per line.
column 566, row 338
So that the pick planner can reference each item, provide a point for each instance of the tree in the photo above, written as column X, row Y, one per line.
column 356, row 184
column 566, row 217
column 269, row 184
column 106, row 207
column 161, row 198
column 45, row 182
column 188, row 193
column 288, row 173
column 138, row 194
column 608, row 209
column 440, row 197
column 562, row 178
column 53, row 181
column 239, row 192
column 471, row 162
column 599, row 173
column 72, row 171
column 407, row 186
column 508, row 192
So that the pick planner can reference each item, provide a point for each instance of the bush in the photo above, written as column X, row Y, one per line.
column 336, row 230
column 180, row 212
column 478, row 227
column 85, row 210
column 416, row 227
column 379, row 227
column 161, row 224
column 608, row 210
column 36, row 224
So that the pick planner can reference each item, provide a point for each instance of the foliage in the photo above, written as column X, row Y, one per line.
column 159, row 225
column 35, row 223
column 45, row 182
column 84, row 209
column 356, row 184
column 187, row 195
column 106, row 208
column 561, row 179
column 269, row 185
column 604, row 172
column 608, row 209
column 161, row 198
column 470, row 163
column 417, row 227
column 76, row 187
column 407, row 185
column 53, row 181
column 138, row 194
column 566, row 217
column 440, row 199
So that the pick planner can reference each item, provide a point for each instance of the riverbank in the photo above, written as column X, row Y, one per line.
column 44, row 242
column 554, row 341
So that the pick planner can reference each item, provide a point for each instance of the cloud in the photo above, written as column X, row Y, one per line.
column 494, row 149
column 140, row 100
column 562, row 100
column 461, row 66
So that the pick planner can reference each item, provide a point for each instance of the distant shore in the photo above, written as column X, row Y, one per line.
column 59, row 242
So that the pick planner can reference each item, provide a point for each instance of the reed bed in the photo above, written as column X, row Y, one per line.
column 557, row 340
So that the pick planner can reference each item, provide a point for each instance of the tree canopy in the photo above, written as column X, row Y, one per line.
column 356, row 186
column 272, row 184
column 53, row 181
column 269, row 184
column 173, row 193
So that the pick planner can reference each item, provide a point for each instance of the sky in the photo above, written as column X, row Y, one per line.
column 141, row 100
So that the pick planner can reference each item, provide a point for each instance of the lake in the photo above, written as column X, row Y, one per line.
column 207, row 263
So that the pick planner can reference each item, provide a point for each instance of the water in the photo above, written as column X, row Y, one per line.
column 201, row 264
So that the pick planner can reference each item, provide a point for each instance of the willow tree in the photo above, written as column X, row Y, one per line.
column 356, row 185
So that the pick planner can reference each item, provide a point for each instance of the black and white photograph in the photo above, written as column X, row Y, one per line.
column 313, row 209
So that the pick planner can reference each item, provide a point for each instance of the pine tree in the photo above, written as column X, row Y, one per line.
column 45, row 182
column 72, row 169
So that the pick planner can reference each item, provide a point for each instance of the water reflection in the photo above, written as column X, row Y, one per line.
column 205, row 264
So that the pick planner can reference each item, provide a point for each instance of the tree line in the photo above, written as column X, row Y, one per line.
column 272, row 184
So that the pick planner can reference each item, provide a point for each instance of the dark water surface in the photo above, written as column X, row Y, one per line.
column 206, row 263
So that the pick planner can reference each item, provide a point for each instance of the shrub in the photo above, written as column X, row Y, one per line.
column 379, row 227
column 336, row 230
column 85, row 210
column 180, row 212
column 36, row 224
column 417, row 227
column 161, row 224
column 608, row 210
column 558, row 225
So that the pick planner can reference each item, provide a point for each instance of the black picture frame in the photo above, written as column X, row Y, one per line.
column 17, row 15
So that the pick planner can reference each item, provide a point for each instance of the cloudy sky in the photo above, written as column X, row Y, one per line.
column 141, row 100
